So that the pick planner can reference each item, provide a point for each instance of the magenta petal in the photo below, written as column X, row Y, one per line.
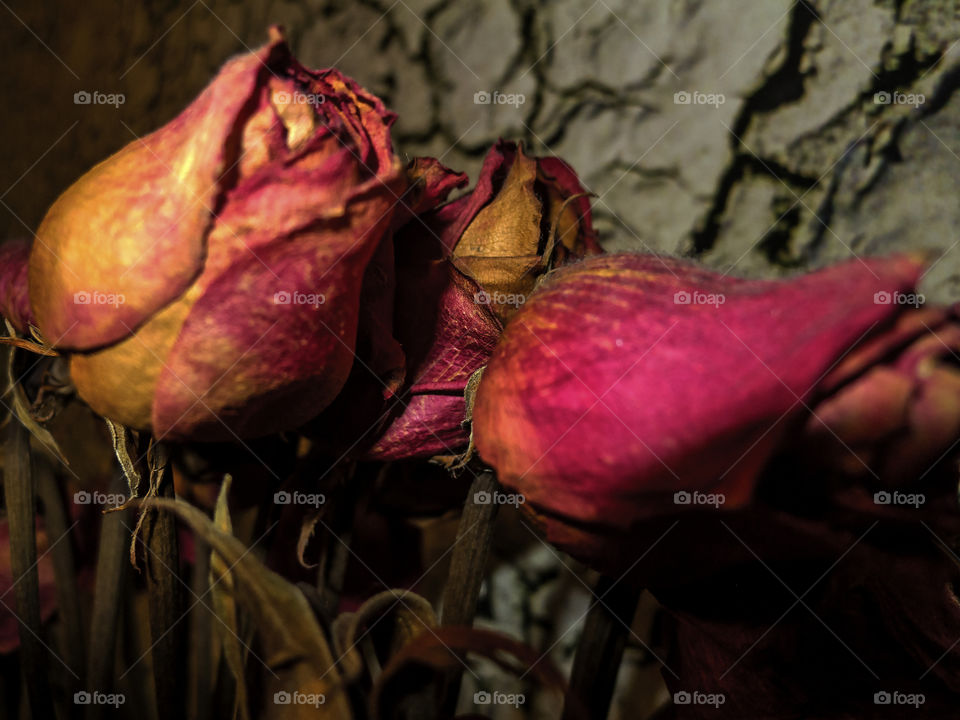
column 447, row 337
column 430, row 424
column 629, row 377
column 430, row 183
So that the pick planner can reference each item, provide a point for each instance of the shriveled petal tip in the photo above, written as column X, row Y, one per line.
column 449, row 221
column 129, row 236
column 345, row 108
column 430, row 424
column 430, row 182
column 627, row 378
column 14, row 289
column 574, row 220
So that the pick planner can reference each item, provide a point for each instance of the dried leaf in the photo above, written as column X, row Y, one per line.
column 33, row 347
column 301, row 681
column 21, row 408
column 453, row 463
column 412, row 615
column 225, row 607
column 125, row 448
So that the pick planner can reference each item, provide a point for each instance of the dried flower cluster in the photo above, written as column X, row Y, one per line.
column 265, row 263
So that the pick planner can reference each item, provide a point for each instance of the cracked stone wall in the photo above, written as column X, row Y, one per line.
column 760, row 137
column 783, row 157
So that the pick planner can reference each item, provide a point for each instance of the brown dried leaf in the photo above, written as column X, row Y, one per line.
column 222, row 591
column 301, row 679
column 21, row 408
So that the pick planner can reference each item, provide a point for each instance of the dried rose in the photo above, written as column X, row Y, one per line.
column 892, row 406
column 628, row 391
column 208, row 275
column 461, row 271
column 628, row 379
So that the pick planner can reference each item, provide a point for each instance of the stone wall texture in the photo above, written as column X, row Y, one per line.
column 782, row 158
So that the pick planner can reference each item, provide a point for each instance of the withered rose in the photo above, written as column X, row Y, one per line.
column 892, row 405
column 462, row 270
column 774, row 460
column 207, row 277
column 627, row 379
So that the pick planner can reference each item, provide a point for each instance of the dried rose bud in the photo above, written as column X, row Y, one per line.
column 208, row 275
column 461, row 271
column 524, row 215
column 631, row 387
column 893, row 405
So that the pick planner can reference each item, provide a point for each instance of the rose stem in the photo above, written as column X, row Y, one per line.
column 164, row 588
column 468, row 564
column 598, row 656
column 333, row 566
column 21, row 515
column 64, row 569
column 109, row 588
column 201, row 638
